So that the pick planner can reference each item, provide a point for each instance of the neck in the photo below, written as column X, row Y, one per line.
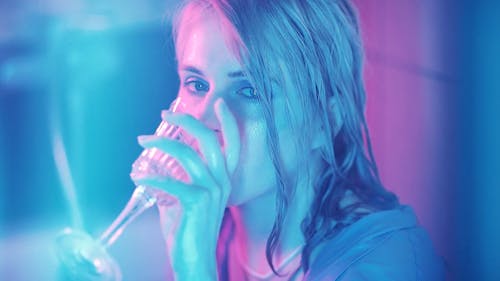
column 254, row 221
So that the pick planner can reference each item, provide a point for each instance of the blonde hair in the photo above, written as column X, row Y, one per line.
column 317, row 44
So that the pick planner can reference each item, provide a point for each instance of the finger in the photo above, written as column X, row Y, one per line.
column 207, row 140
column 186, row 194
column 230, row 134
column 186, row 156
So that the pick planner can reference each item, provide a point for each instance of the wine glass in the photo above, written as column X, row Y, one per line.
column 85, row 258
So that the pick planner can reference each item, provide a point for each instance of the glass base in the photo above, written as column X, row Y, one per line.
column 83, row 258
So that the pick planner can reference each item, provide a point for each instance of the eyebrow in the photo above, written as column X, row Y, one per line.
column 236, row 74
column 233, row 74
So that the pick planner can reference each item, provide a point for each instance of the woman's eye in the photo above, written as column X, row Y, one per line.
column 248, row 92
column 196, row 86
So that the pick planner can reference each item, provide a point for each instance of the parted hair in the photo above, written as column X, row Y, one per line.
column 317, row 45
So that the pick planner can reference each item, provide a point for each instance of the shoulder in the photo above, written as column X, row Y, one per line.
column 403, row 255
column 388, row 245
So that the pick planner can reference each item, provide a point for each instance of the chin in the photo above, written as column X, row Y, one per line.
column 235, row 200
column 240, row 198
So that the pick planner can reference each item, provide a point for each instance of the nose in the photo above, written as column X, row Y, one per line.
column 206, row 112
column 203, row 109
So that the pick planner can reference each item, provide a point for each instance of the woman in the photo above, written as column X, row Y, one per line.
column 282, row 184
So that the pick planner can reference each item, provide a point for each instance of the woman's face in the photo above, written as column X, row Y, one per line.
column 208, row 70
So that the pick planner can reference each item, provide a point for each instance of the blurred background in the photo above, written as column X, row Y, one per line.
column 80, row 79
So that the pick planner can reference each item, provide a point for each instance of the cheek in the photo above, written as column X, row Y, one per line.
column 251, row 123
column 189, row 103
column 253, row 132
column 255, row 172
column 255, row 152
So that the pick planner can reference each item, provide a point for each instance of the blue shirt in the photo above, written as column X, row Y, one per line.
column 386, row 245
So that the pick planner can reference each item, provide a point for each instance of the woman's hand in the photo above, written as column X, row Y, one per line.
column 191, row 227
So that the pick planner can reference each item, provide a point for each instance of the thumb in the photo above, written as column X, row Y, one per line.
column 170, row 215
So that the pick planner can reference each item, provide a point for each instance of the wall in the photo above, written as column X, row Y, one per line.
column 410, row 82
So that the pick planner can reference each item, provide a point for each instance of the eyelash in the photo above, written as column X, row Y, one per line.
column 253, row 94
column 192, row 86
column 199, row 87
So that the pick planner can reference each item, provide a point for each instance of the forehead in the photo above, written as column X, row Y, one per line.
column 208, row 41
column 205, row 38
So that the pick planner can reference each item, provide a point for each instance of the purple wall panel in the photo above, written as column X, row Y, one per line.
column 408, row 88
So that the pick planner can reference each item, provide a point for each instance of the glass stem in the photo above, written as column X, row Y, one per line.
column 141, row 200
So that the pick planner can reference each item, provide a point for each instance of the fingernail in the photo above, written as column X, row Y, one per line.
column 221, row 104
column 140, row 180
column 165, row 114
